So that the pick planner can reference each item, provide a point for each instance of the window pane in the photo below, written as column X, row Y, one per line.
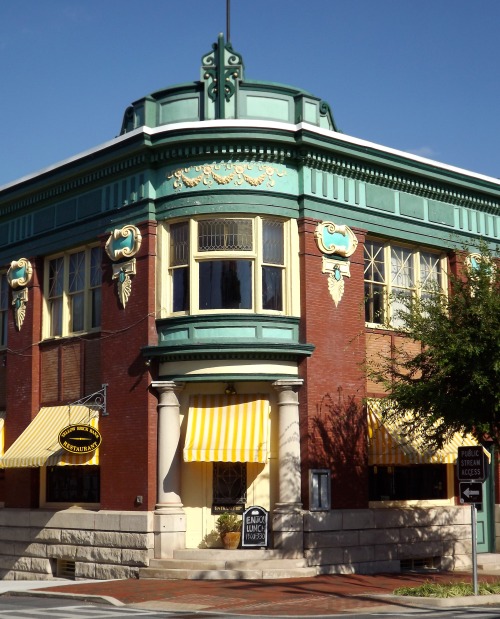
column 374, row 303
column 402, row 267
column 229, row 483
column 180, row 302
column 77, row 272
column 406, row 483
column 179, row 244
column 95, row 267
column 225, row 284
column 272, row 241
column 56, row 277
column 430, row 270
column 75, row 484
column 374, row 262
column 225, row 235
column 399, row 303
column 272, row 288
column 95, row 300
column 77, row 311
column 55, row 309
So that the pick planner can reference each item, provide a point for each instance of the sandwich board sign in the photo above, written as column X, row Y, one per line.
column 255, row 526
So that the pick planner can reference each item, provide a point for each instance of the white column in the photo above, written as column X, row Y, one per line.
column 289, row 446
column 170, row 518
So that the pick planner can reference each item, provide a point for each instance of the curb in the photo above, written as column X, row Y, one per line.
column 84, row 597
column 430, row 602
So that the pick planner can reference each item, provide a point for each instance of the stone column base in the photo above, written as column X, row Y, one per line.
column 288, row 529
column 169, row 531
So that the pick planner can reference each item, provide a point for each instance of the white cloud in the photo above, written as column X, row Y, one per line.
column 423, row 151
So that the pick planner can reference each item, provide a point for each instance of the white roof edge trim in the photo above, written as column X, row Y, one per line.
column 254, row 124
column 85, row 153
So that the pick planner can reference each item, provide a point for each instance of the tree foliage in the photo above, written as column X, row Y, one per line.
column 452, row 384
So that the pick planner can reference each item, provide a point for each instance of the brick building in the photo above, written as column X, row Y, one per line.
column 203, row 291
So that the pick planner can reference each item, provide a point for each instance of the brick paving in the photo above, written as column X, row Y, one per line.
column 321, row 595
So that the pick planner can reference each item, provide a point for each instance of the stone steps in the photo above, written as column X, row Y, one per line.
column 194, row 564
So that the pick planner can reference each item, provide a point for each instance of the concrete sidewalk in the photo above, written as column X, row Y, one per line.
column 322, row 595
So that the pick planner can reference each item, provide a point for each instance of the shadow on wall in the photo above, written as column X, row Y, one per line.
column 338, row 442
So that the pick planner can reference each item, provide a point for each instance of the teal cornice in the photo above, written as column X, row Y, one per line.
column 235, row 146
column 77, row 183
column 260, row 352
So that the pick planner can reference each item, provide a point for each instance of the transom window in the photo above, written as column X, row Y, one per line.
column 392, row 271
column 73, row 292
column 227, row 264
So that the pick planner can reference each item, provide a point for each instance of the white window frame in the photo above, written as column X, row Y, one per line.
column 388, row 286
column 291, row 299
column 66, row 296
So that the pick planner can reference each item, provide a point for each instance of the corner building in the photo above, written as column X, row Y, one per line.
column 203, row 291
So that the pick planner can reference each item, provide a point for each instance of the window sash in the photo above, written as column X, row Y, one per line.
column 225, row 235
column 392, row 271
column 225, row 284
column 74, row 292
column 200, row 277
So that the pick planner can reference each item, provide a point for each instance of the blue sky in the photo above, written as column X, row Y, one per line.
column 421, row 76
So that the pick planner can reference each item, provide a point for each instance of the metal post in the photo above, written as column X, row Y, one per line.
column 474, row 547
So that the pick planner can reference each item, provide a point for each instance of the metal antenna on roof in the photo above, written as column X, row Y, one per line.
column 228, row 21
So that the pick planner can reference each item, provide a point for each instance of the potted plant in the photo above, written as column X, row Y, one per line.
column 228, row 526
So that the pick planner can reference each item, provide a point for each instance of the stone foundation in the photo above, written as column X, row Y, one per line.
column 98, row 544
column 378, row 540
column 34, row 544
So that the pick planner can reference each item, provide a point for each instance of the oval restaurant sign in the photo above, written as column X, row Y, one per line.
column 79, row 439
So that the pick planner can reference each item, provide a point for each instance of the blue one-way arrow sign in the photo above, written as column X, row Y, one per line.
column 471, row 492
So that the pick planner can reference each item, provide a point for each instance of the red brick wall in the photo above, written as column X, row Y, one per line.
column 128, row 449
column 23, row 393
column 61, row 371
column 333, row 419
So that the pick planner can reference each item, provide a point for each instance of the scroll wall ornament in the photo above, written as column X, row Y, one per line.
column 19, row 276
column 121, row 246
column 335, row 240
column 237, row 174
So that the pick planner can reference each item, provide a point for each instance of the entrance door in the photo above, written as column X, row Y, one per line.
column 485, row 519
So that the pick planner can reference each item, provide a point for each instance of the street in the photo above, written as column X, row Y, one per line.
column 33, row 607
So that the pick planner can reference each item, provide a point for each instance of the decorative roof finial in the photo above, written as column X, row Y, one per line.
column 221, row 70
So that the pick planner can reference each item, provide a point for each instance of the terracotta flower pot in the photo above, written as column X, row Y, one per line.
column 231, row 540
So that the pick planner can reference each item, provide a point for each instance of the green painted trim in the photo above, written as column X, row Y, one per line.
column 213, row 337
column 261, row 352
column 331, row 182
column 238, row 201
column 390, row 225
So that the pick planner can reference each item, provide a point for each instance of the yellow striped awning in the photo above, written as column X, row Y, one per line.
column 38, row 445
column 227, row 428
column 387, row 445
